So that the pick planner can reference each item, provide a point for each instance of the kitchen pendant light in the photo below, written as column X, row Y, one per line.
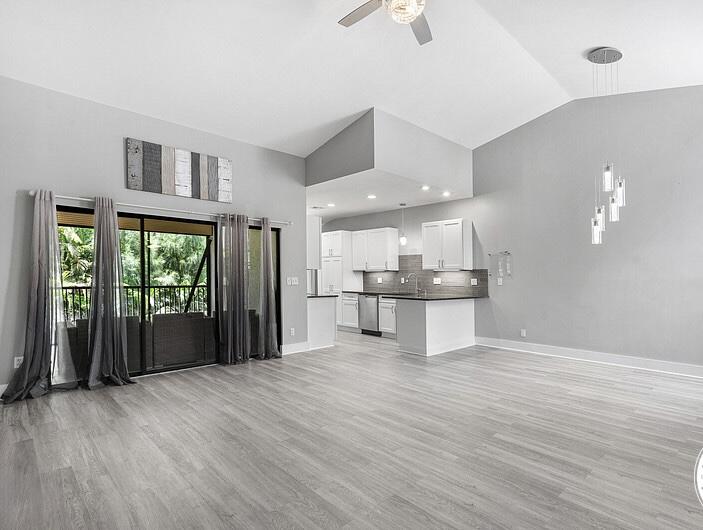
column 614, row 209
column 620, row 192
column 596, row 232
column 403, row 239
column 606, row 82
column 608, row 177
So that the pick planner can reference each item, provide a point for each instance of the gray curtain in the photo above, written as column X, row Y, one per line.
column 233, row 288
column 47, row 354
column 268, row 326
column 107, row 326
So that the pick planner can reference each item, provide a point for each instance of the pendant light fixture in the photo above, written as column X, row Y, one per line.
column 403, row 239
column 606, row 82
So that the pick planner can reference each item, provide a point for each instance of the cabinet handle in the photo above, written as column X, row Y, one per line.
column 393, row 309
column 386, row 265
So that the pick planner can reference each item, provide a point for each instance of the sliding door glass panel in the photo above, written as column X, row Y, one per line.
column 131, row 251
column 254, row 261
column 180, row 329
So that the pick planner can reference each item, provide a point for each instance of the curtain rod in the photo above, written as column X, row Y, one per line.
column 32, row 193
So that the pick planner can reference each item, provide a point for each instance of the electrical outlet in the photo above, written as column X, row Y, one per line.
column 18, row 361
column 523, row 333
column 436, row 281
column 500, row 281
column 379, row 280
column 292, row 332
column 474, row 282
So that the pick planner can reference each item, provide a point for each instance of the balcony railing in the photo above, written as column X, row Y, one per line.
column 163, row 299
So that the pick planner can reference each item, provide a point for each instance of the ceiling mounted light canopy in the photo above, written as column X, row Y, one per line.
column 401, row 11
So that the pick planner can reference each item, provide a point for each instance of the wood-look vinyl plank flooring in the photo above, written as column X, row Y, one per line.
column 361, row 436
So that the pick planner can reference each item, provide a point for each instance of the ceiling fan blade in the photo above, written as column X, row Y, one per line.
column 360, row 12
column 421, row 29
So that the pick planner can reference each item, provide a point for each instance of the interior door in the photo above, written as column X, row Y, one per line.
column 431, row 245
column 452, row 244
column 376, row 250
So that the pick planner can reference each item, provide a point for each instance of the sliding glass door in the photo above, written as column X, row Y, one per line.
column 169, row 276
column 167, row 272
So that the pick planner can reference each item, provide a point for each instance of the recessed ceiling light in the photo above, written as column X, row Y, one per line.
column 425, row 188
column 446, row 194
column 371, row 196
column 331, row 205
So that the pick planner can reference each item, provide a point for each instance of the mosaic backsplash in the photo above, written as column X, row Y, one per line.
column 453, row 282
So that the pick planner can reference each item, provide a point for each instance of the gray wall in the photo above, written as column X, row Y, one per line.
column 76, row 148
column 351, row 151
column 641, row 292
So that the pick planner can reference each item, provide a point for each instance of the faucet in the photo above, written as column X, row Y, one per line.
column 414, row 274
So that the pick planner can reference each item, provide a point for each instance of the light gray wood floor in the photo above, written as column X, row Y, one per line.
column 359, row 436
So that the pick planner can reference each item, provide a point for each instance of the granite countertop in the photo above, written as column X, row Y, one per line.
column 322, row 296
column 411, row 296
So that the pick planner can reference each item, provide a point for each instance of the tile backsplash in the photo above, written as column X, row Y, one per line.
column 453, row 282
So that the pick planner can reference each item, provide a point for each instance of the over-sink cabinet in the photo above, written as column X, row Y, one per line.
column 447, row 245
column 375, row 249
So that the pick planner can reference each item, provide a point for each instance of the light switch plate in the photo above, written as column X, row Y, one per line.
column 436, row 281
column 474, row 281
column 294, row 280
column 402, row 279
column 500, row 281
column 18, row 362
column 379, row 280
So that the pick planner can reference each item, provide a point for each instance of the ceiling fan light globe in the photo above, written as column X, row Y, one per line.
column 404, row 11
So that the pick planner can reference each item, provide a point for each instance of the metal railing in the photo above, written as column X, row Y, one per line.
column 163, row 299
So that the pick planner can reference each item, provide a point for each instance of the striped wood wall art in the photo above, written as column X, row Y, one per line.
column 172, row 171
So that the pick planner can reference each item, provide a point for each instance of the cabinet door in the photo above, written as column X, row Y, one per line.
column 331, row 275
column 336, row 243
column 376, row 250
column 386, row 317
column 326, row 244
column 431, row 245
column 359, row 251
column 350, row 313
column 452, row 244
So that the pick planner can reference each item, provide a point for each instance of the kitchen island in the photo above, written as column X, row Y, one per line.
column 430, row 325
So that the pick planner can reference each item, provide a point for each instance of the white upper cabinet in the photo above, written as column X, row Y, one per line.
column 332, row 244
column 359, row 245
column 375, row 250
column 314, row 240
column 447, row 245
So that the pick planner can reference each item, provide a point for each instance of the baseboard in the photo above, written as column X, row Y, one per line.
column 628, row 361
column 296, row 347
column 2, row 388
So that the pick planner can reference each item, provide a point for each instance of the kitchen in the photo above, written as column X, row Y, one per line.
column 375, row 285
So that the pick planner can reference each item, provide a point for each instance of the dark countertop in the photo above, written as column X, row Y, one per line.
column 322, row 296
column 423, row 298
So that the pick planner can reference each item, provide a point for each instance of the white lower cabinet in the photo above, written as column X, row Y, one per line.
column 350, row 311
column 386, row 315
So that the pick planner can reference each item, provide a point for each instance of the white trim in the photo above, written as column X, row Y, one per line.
column 628, row 361
column 296, row 347
column 3, row 387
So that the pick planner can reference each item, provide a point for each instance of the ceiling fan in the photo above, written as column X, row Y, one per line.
column 401, row 11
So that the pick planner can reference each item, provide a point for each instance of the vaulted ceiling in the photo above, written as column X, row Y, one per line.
column 285, row 75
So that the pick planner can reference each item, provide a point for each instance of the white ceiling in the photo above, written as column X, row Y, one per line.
column 350, row 194
column 285, row 75
column 662, row 40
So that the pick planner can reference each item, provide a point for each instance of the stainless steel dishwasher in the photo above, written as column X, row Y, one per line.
column 368, row 312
